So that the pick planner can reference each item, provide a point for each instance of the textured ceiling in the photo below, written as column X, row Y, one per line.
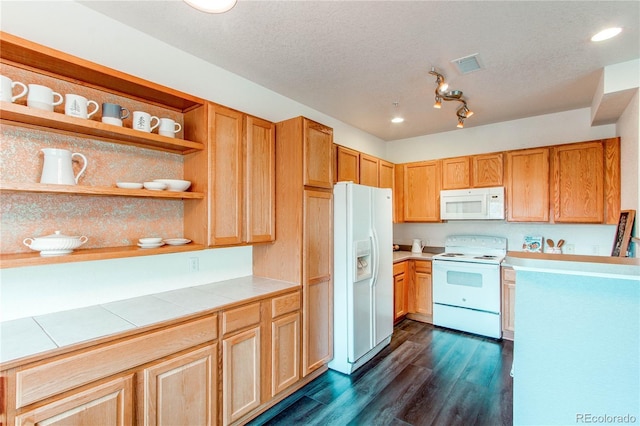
column 353, row 59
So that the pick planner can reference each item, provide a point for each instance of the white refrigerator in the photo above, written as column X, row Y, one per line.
column 363, row 274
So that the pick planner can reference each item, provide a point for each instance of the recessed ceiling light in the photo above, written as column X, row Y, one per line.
column 397, row 120
column 212, row 6
column 606, row 34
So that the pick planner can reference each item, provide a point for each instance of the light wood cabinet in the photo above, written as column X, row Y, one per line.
column 239, row 166
column 422, row 191
column 487, row 170
column 578, row 182
column 369, row 170
column 398, row 193
column 400, row 291
column 527, row 185
column 347, row 165
column 240, row 374
column 181, row 389
column 318, row 141
column 285, row 347
column 456, row 173
column 508, row 302
column 24, row 59
column 109, row 404
column 420, row 291
column 303, row 251
column 386, row 175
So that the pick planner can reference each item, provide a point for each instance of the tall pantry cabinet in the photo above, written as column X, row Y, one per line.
column 303, row 249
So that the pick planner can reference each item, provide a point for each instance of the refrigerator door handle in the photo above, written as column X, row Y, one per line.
column 374, row 255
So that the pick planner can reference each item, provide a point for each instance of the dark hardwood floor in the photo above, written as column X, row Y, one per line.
column 427, row 376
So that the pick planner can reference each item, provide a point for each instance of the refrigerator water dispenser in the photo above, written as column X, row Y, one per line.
column 362, row 259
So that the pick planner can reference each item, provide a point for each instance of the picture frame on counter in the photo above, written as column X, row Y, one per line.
column 623, row 233
column 532, row 244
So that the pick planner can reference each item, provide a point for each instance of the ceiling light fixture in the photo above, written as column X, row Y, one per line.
column 452, row 95
column 606, row 34
column 212, row 6
column 396, row 119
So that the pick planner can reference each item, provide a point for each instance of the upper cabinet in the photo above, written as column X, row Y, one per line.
column 527, row 185
column 422, row 191
column 239, row 171
column 347, row 165
column 386, row 173
column 473, row 171
column 318, row 142
column 369, row 170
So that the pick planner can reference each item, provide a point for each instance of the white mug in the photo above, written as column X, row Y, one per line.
column 142, row 121
column 6, row 89
column 168, row 127
column 77, row 106
column 42, row 97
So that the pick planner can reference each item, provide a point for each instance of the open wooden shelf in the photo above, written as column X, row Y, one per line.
column 15, row 260
column 24, row 116
column 45, row 188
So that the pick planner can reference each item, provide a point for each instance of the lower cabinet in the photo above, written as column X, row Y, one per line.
column 181, row 390
column 240, row 374
column 106, row 404
column 400, row 291
column 420, row 291
column 508, row 302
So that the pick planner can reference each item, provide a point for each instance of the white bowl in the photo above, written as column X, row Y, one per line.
column 155, row 186
column 129, row 185
column 150, row 240
column 55, row 244
column 176, row 185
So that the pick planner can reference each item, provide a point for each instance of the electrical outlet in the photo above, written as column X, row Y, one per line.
column 595, row 250
column 569, row 249
column 194, row 264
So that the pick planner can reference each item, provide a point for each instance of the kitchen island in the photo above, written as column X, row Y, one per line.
column 577, row 343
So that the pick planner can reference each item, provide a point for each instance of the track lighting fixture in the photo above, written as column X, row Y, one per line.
column 443, row 94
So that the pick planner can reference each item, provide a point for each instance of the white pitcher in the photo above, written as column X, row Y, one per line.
column 58, row 166
column 417, row 246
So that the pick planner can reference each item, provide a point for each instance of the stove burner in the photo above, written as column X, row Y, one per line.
column 451, row 254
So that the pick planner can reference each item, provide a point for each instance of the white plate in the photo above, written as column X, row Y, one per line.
column 177, row 241
column 155, row 186
column 150, row 245
column 129, row 185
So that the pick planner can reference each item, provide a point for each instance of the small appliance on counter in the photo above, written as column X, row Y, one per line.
column 417, row 246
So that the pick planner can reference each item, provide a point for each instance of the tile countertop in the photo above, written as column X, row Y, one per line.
column 29, row 336
column 399, row 256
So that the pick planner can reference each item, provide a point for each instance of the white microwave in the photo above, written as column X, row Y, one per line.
column 472, row 204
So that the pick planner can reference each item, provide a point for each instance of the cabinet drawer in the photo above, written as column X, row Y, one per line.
column 68, row 372
column 284, row 304
column 423, row 265
column 242, row 317
column 398, row 268
column 508, row 274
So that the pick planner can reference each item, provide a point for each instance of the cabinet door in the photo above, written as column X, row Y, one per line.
column 182, row 390
column 423, row 298
column 225, row 143
column 285, row 352
column 385, row 174
column 368, row 170
column 400, row 295
column 398, row 193
column 318, row 140
column 487, row 170
column 456, row 173
column 348, row 164
column 578, row 180
column 106, row 404
column 508, row 302
column 259, row 180
column 317, row 284
column 422, row 192
column 240, row 374
column 527, row 185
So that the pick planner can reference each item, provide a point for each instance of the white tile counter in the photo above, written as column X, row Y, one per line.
column 33, row 335
column 399, row 256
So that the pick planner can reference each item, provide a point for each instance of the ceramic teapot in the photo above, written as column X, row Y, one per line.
column 417, row 246
column 58, row 166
